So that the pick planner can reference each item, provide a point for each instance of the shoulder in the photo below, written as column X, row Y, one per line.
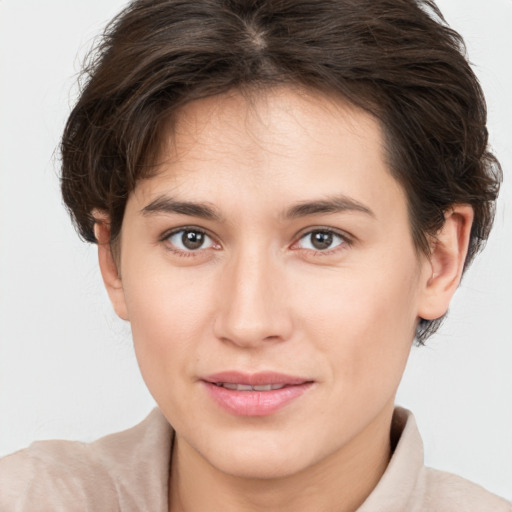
column 445, row 492
column 435, row 490
column 53, row 474
column 408, row 485
column 113, row 473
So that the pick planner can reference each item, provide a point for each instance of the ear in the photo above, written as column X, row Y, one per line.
column 108, row 264
column 448, row 254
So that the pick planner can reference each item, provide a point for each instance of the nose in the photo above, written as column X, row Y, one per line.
column 253, row 306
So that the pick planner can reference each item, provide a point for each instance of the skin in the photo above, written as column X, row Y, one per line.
column 258, row 296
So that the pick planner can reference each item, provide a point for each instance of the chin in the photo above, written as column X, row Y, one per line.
column 260, row 455
column 259, row 466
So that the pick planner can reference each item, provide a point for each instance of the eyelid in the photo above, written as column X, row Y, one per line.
column 348, row 240
column 170, row 232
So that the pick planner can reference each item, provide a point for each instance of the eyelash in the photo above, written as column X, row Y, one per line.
column 186, row 253
column 346, row 241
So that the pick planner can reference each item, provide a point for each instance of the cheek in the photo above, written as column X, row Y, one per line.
column 169, row 313
column 364, row 322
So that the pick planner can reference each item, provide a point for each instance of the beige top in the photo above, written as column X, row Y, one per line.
column 129, row 471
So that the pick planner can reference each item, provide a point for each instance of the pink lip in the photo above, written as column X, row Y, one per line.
column 255, row 403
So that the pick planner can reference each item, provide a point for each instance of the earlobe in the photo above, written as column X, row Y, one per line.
column 448, row 254
column 109, row 266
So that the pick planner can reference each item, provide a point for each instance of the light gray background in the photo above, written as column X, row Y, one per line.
column 67, row 368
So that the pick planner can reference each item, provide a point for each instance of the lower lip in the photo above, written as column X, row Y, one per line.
column 255, row 403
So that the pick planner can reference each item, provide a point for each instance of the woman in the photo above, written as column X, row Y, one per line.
column 284, row 196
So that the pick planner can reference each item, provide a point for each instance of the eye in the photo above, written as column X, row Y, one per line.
column 187, row 240
column 320, row 240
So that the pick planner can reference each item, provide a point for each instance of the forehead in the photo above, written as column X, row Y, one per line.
column 272, row 121
column 271, row 147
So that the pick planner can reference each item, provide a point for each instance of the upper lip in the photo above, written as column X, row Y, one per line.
column 255, row 379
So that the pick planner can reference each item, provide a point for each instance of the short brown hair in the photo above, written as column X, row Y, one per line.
column 396, row 59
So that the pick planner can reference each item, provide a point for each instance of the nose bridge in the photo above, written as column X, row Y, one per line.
column 252, row 308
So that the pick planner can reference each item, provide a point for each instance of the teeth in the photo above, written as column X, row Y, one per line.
column 247, row 387
column 266, row 387
column 237, row 387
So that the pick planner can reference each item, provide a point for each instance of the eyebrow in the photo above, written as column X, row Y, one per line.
column 165, row 204
column 334, row 204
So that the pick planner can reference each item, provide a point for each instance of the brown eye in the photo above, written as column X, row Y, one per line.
column 190, row 240
column 321, row 240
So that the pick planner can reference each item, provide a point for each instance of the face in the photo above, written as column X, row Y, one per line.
column 270, row 279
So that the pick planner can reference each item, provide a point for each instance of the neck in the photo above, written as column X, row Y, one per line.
column 338, row 483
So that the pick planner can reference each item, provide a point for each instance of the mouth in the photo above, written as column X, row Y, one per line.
column 259, row 394
column 247, row 387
